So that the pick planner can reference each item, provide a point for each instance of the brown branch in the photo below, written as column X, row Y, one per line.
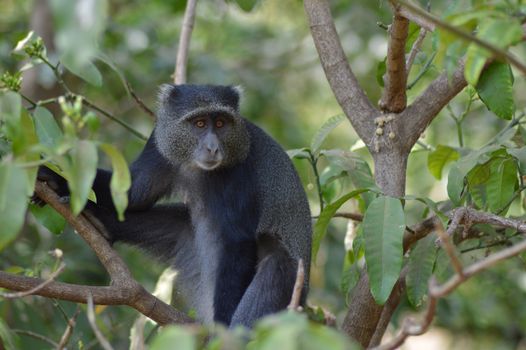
column 469, row 217
column 37, row 287
column 445, row 241
column 298, row 287
column 494, row 49
column 124, row 289
column 69, row 330
column 138, row 100
column 411, row 327
column 422, row 22
column 394, row 97
column 343, row 82
column 184, row 42
column 426, row 107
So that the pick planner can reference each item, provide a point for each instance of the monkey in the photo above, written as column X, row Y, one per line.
column 241, row 220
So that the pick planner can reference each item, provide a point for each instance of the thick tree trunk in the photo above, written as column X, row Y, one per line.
column 390, row 171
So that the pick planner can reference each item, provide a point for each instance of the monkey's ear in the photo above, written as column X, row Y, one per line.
column 165, row 92
column 238, row 92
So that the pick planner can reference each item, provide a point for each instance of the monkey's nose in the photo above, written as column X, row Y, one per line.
column 212, row 149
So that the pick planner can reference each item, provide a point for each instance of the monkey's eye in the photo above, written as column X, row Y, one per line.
column 220, row 123
column 200, row 123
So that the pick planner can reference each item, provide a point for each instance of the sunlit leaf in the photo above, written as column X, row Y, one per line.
column 324, row 131
column 357, row 169
column 120, row 179
column 299, row 153
column 13, row 201
column 174, row 335
column 383, row 230
column 437, row 160
column 82, row 173
column 49, row 218
column 48, row 131
column 499, row 32
column 87, row 71
column 246, row 5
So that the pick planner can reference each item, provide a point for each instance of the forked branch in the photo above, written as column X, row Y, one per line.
column 125, row 290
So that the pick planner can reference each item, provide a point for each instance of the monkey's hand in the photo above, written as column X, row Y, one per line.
column 53, row 180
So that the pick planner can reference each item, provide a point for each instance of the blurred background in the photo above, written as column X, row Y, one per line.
column 267, row 50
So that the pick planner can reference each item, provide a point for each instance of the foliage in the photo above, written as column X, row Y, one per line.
column 483, row 160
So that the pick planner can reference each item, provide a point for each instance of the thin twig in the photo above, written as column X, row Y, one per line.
column 469, row 217
column 114, row 118
column 184, row 42
column 445, row 240
column 138, row 100
column 91, row 318
column 410, row 327
column 495, row 50
column 35, row 335
column 350, row 216
column 417, row 45
column 69, row 330
column 36, row 288
column 298, row 287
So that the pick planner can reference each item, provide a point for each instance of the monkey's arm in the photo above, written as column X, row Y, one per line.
column 160, row 230
column 271, row 288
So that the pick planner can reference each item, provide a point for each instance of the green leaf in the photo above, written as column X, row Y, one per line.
column 357, row 169
column 78, row 28
column 495, row 89
column 437, row 160
column 479, row 174
column 320, row 228
column 49, row 218
column 383, row 230
column 87, row 71
column 7, row 336
column 13, row 201
column 48, row 131
column 299, row 153
column 120, row 180
column 420, row 268
column 170, row 335
column 520, row 155
column 26, row 154
column 324, row 131
column 247, row 5
column 81, row 173
column 499, row 32
column 455, row 185
column 501, row 184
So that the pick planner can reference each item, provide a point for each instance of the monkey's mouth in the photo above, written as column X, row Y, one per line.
column 208, row 164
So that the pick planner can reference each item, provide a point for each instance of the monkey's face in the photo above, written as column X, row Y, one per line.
column 206, row 141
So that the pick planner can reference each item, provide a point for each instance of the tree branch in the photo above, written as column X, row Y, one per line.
column 343, row 82
column 394, row 97
column 184, row 42
column 298, row 287
column 469, row 217
column 124, row 289
column 426, row 107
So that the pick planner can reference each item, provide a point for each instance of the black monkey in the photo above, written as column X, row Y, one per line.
column 243, row 220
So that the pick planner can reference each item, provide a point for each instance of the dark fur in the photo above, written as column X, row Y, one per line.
column 237, row 236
